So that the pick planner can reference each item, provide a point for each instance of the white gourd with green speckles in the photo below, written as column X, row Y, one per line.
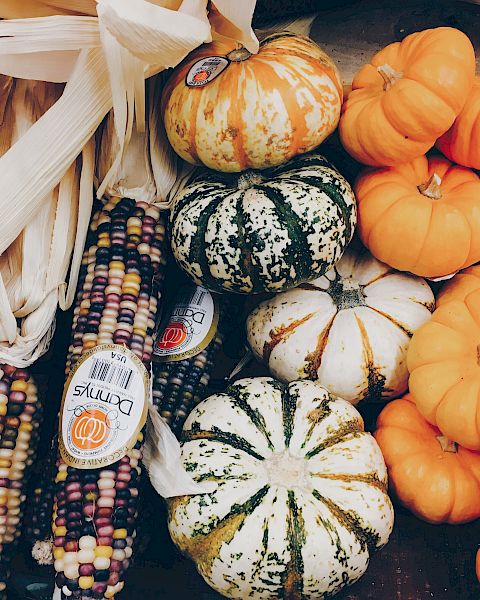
column 349, row 329
column 262, row 230
column 300, row 492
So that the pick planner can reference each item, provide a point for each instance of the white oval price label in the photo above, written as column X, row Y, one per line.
column 205, row 70
column 104, row 407
column 191, row 326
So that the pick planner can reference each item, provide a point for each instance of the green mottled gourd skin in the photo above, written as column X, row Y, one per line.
column 262, row 230
column 298, row 497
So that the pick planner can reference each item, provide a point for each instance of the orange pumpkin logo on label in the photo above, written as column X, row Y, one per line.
column 90, row 429
column 174, row 335
column 201, row 75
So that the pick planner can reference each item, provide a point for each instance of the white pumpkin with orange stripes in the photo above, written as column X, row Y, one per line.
column 260, row 111
column 349, row 329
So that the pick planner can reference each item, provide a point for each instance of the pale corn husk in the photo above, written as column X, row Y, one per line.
column 148, row 168
column 34, row 267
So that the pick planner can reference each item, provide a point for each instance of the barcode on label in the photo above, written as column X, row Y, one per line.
column 212, row 62
column 198, row 296
column 104, row 370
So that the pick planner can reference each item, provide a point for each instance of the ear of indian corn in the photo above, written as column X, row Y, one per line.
column 19, row 423
column 95, row 509
column 179, row 386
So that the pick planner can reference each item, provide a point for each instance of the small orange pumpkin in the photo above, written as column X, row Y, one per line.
column 444, row 363
column 260, row 111
column 477, row 565
column 461, row 142
column 422, row 216
column 460, row 286
column 438, row 480
column 407, row 96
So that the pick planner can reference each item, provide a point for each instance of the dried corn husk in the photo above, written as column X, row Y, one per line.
column 148, row 168
column 33, row 269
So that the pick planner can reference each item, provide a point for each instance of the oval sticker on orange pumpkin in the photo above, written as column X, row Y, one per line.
column 104, row 407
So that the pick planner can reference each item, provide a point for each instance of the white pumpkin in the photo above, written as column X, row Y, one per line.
column 299, row 499
column 350, row 329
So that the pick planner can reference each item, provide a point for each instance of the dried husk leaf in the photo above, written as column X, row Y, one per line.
column 34, row 267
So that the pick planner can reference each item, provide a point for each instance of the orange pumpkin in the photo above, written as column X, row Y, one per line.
column 422, row 216
column 260, row 111
column 477, row 564
column 460, row 286
column 461, row 142
column 444, row 363
column 407, row 96
column 439, row 481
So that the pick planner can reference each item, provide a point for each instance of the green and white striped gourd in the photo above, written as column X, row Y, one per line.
column 262, row 230
column 349, row 329
column 299, row 497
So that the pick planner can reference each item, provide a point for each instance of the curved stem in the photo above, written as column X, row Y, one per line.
column 389, row 75
column 446, row 444
column 432, row 189
column 239, row 54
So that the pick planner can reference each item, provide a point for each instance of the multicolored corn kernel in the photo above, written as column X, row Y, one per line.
column 179, row 386
column 95, row 511
column 19, row 424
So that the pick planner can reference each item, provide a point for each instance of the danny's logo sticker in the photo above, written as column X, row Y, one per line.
column 205, row 70
column 190, row 327
column 104, row 407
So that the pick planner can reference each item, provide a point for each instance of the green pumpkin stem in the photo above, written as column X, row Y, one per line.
column 389, row 76
column 446, row 444
column 432, row 189
column 239, row 54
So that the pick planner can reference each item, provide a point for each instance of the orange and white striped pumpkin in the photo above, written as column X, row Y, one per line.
column 260, row 111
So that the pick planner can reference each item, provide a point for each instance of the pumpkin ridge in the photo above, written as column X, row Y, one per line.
column 379, row 277
column 392, row 319
column 376, row 379
column 316, row 416
column 250, row 269
column 198, row 247
column 203, row 548
column 369, row 478
column 289, row 405
column 223, row 437
column 280, row 334
column 314, row 359
column 180, row 204
column 352, row 428
column 368, row 539
column 292, row 577
column 331, row 191
column 297, row 251
column 255, row 416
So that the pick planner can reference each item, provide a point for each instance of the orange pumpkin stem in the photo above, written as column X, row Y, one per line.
column 239, row 54
column 389, row 76
column 432, row 189
column 446, row 444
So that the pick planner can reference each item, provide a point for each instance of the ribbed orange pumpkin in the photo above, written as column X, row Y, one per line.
column 461, row 143
column 422, row 216
column 437, row 480
column 444, row 363
column 262, row 110
column 407, row 96
column 460, row 286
